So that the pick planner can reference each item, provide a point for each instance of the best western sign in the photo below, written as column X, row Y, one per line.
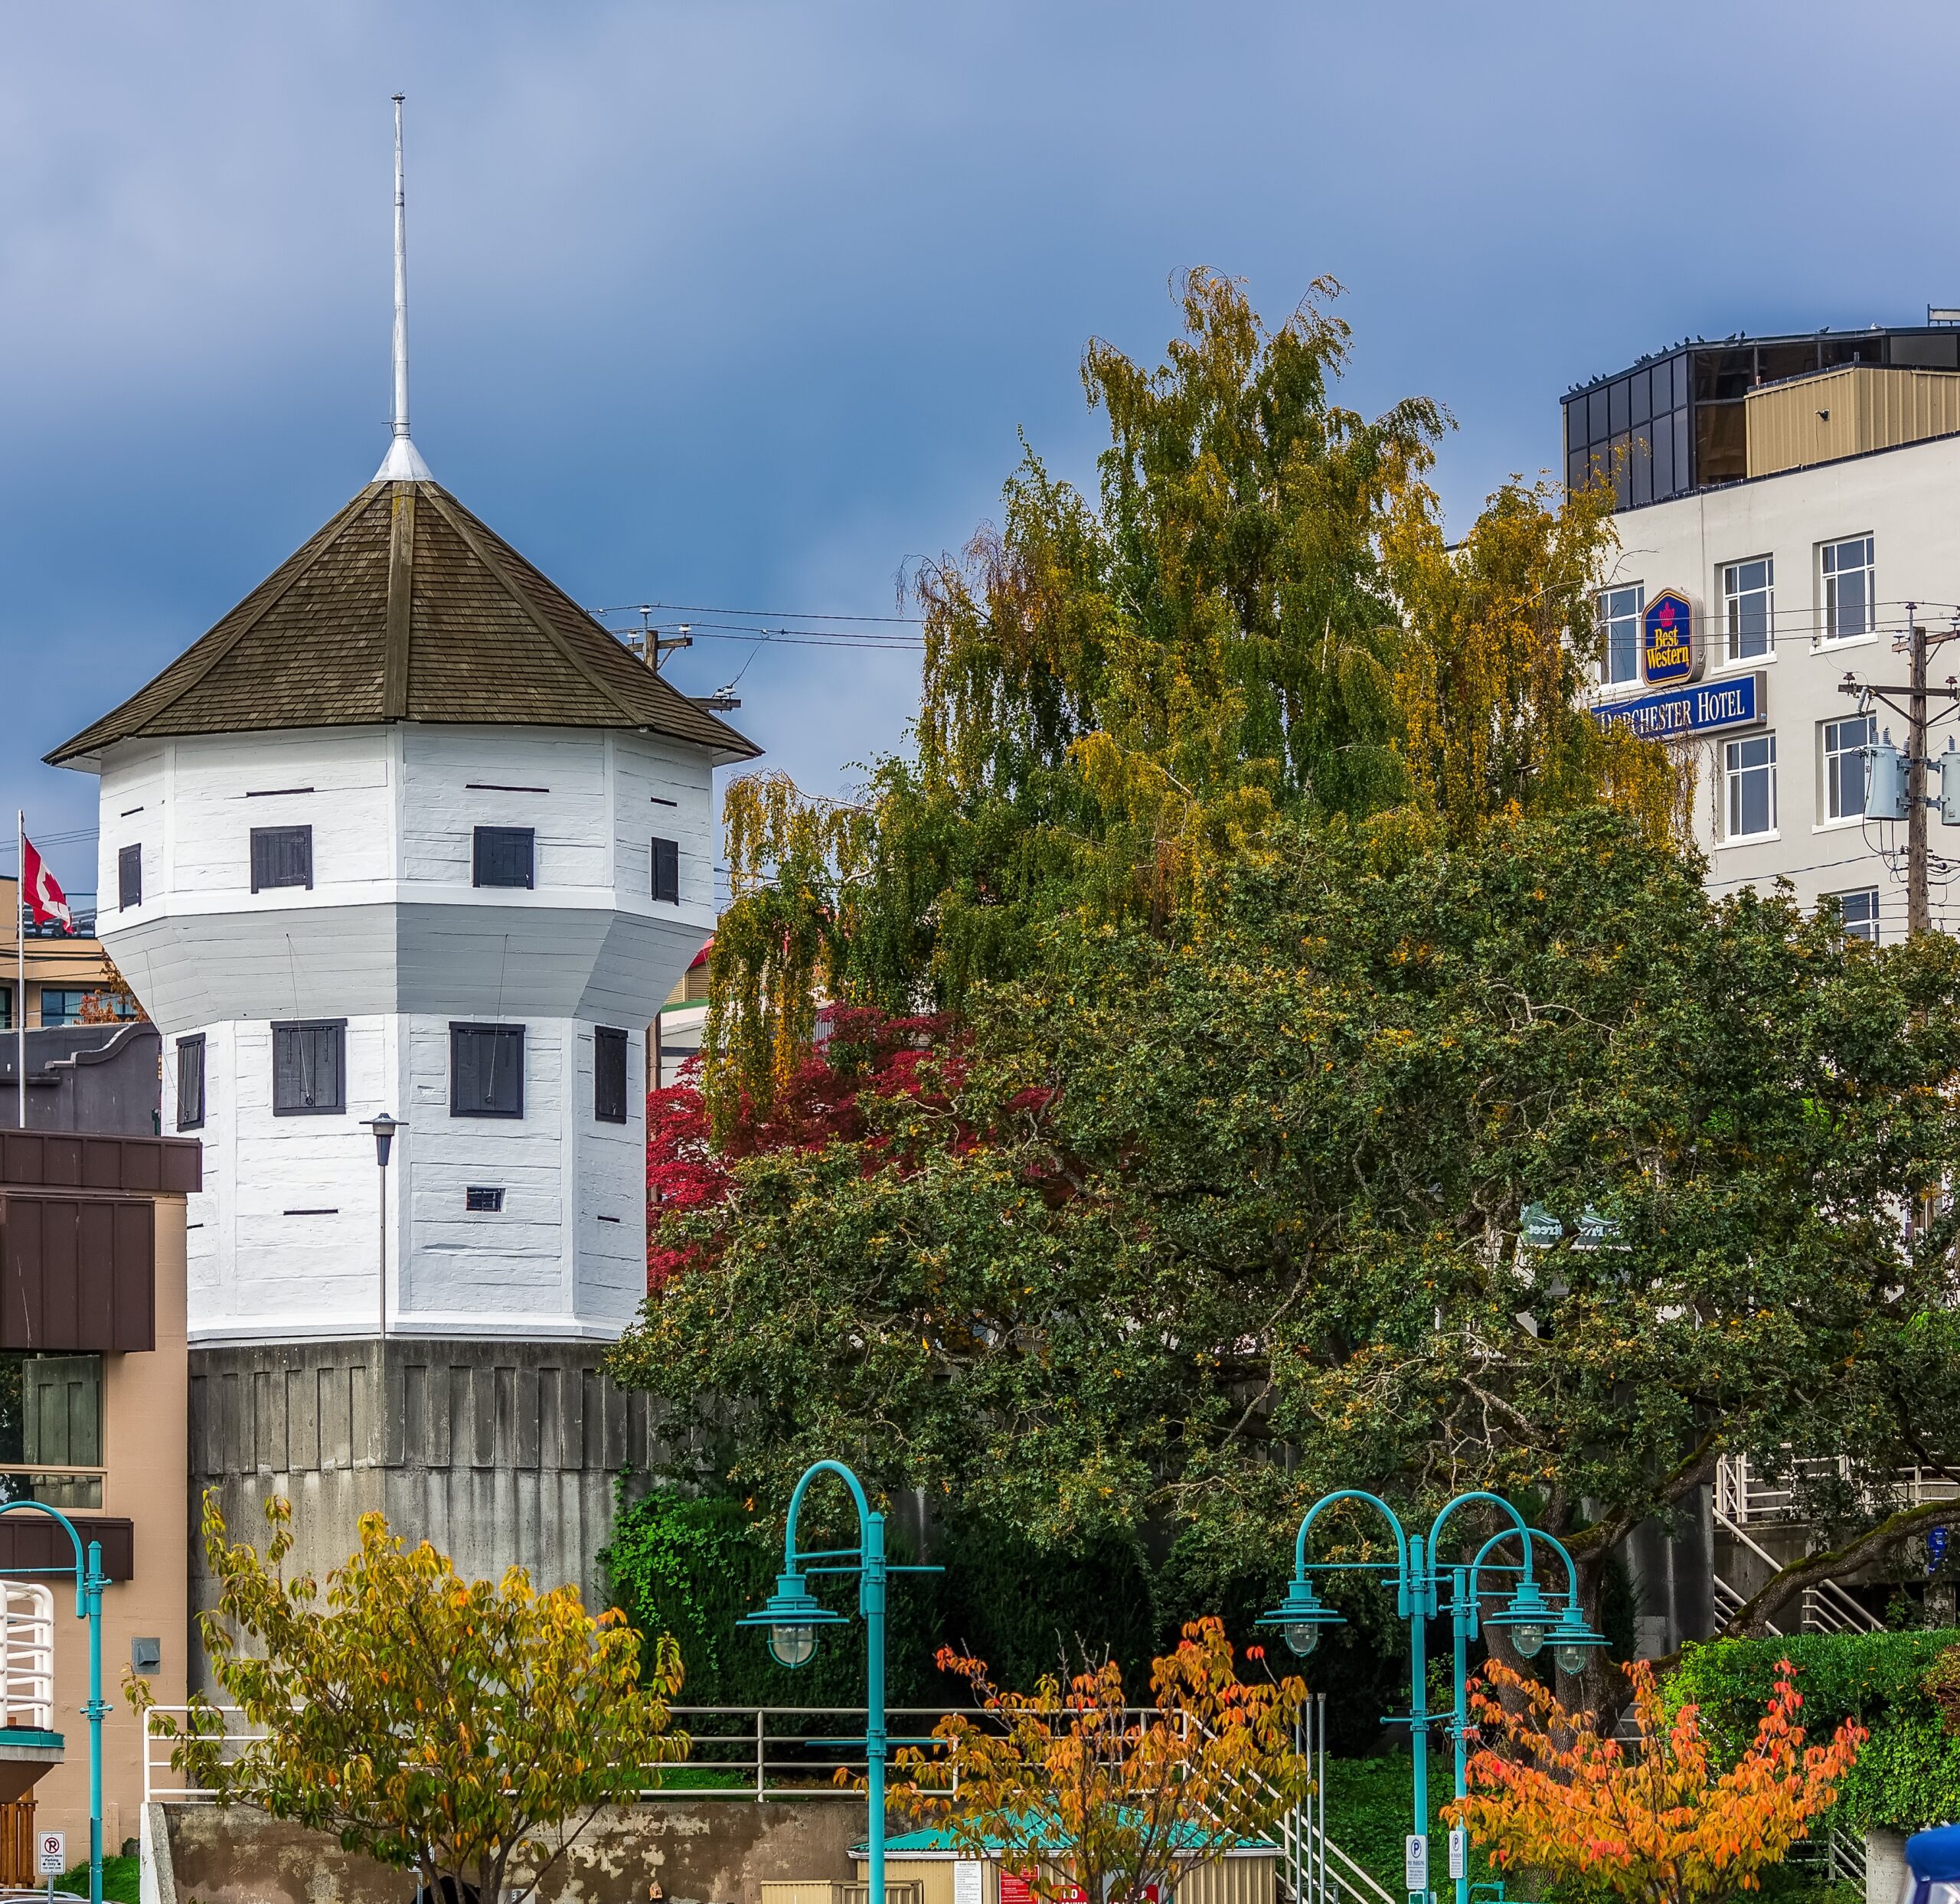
column 1716, row 706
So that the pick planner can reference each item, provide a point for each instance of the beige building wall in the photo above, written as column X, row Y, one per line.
column 1847, row 413
column 145, row 1410
column 1907, row 500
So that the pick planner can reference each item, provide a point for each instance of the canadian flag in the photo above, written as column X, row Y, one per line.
column 43, row 891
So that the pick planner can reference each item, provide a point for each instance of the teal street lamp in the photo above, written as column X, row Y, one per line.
column 794, row 1621
column 89, row 1582
column 1531, row 1620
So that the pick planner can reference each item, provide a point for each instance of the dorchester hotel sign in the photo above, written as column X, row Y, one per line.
column 1717, row 706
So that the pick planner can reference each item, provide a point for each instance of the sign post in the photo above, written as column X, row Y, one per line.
column 51, row 1855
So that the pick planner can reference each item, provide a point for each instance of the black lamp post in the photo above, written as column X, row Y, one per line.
column 384, row 1128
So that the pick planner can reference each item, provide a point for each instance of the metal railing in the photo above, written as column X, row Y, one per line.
column 750, row 1753
column 1744, row 1499
column 26, row 1655
column 1826, row 1608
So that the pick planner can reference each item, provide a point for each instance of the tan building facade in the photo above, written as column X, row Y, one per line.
column 93, row 1408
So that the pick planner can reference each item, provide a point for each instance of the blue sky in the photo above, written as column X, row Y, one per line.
column 741, row 302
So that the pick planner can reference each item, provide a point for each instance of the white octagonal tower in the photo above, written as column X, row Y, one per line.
column 408, row 832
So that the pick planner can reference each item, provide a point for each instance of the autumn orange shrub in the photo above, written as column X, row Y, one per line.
column 1651, row 1818
column 1087, row 1796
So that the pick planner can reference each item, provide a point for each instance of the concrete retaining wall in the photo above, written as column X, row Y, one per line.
column 501, row 1454
column 706, row 1853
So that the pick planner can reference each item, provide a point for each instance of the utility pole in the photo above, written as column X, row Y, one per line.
column 1919, row 903
column 1917, row 693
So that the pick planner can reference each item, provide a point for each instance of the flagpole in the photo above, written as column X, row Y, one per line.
column 21, row 960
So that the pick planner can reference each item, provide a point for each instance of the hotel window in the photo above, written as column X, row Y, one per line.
column 1849, row 595
column 1844, row 765
column 1746, row 606
column 1619, row 635
column 1750, row 770
column 486, row 1071
column 1861, row 913
column 61, row 1005
column 190, row 1082
column 309, row 1068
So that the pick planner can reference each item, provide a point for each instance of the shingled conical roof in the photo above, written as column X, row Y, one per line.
column 404, row 607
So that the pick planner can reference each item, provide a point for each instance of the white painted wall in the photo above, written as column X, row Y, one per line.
column 1909, row 501
column 285, row 1240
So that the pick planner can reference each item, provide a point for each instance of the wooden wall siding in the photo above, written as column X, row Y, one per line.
column 545, row 1264
column 33, row 1541
column 393, row 939
column 77, row 1272
column 497, row 1452
column 71, row 1161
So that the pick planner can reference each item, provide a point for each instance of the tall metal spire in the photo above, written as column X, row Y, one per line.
column 403, row 462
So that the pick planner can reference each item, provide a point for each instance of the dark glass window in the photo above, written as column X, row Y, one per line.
column 129, row 877
column 1721, row 449
column 309, row 1068
column 1774, row 362
column 190, row 1082
column 1642, row 406
column 61, row 1005
column 609, row 1075
column 281, row 856
column 1616, row 397
column 504, row 856
column 486, row 1071
column 1664, row 457
column 1643, row 468
column 667, row 871
column 1574, row 425
column 1684, row 475
column 1595, row 415
column 6, row 1007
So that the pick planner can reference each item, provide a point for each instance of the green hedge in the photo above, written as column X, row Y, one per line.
column 1908, row 1775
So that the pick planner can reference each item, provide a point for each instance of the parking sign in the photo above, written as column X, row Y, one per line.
column 54, row 1852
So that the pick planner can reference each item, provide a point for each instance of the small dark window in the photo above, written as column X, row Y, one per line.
column 486, row 1071
column 190, row 1082
column 309, row 1068
column 129, row 877
column 483, row 1196
column 504, row 856
column 609, row 1075
column 667, row 871
column 281, row 856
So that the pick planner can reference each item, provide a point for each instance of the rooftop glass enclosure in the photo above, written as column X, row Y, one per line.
column 1674, row 422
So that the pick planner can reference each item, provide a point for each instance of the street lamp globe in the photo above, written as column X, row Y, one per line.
column 1300, row 1617
column 1571, row 1658
column 792, row 1645
column 1301, row 1638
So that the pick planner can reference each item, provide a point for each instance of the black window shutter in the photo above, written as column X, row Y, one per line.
column 504, row 856
column 609, row 1075
column 667, row 871
column 281, row 856
column 129, row 877
column 309, row 1070
column 190, row 1082
column 486, row 1071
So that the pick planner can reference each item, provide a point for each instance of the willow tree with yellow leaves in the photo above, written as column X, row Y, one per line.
column 1492, row 676
column 1257, row 615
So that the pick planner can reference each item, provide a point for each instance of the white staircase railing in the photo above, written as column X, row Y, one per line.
column 26, row 1655
column 1741, row 1501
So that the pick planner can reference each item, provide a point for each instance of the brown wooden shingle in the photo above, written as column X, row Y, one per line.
column 404, row 606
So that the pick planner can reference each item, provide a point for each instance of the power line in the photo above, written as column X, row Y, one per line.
column 755, row 614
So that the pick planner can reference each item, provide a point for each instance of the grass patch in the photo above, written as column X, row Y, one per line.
column 121, row 1880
